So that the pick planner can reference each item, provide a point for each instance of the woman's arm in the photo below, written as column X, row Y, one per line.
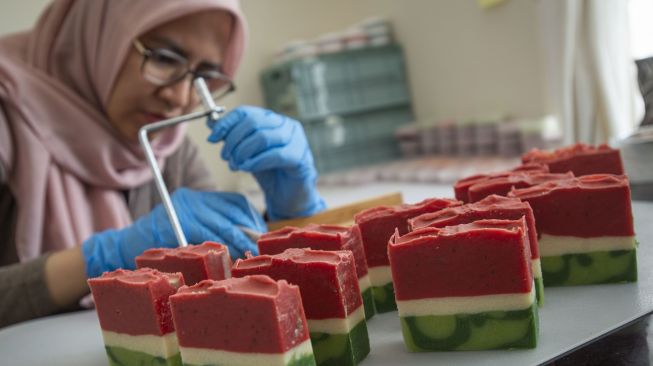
column 65, row 277
column 47, row 285
column 44, row 286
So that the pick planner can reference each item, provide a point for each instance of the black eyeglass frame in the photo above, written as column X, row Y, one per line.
column 147, row 53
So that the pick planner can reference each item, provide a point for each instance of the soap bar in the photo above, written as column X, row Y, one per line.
column 490, row 304
column 502, row 185
column 205, row 261
column 134, row 315
column 492, row 207
column 249, row 321
column 461, row 187
column 377, row 226
column 586, row 229
column 331, row 297
column 581, row 159
column 324, row 237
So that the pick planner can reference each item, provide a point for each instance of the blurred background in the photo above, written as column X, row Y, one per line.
column 430, row 91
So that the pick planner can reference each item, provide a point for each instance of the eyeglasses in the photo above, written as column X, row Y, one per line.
column 163, row 67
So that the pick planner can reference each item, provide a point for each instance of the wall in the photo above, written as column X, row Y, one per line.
column 463, row 61
column 18, row 15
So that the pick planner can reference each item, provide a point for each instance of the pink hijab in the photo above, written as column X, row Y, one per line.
column 65, row 162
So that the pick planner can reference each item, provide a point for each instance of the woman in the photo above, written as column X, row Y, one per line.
column 76, row 195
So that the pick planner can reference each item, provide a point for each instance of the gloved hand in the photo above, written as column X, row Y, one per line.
column 274, row 148
column 213, row 216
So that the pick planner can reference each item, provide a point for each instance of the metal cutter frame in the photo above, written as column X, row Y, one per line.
column 213, row 112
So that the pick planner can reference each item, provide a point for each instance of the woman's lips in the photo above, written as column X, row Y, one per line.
column 154, row 117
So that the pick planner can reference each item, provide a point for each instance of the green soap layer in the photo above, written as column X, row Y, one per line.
column 472, row 332
column 119, row 356
column 368, row 303
column 539, row 291
column 341, row 349
column 384, row 298
column 304, row 360
column 590, row 268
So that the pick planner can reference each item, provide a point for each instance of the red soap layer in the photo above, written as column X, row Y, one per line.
column 486, row 257
column 320, row 237
column 135, row 302
column 492, row 207
column 461, row 187
column 587, row 206
column 326, row 279
column 197, row 262
column 580, row 159
column 379, row 223
column 250, row 314
column 502, row 185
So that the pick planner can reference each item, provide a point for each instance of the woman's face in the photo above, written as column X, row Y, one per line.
column 201, row 38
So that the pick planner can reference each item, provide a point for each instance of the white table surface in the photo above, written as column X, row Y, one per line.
column 570, row 317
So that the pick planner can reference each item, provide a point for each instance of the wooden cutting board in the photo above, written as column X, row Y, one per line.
column 342, row 215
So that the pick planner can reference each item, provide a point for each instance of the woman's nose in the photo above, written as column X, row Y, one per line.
column 179, row 94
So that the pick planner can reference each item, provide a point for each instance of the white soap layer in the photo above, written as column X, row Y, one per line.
column 466, row 304
column 536, row 267
column 204, row 356
column 337, row 325
column 364, row 282
column 160, row 346
column 554, row 245
column 380, row 276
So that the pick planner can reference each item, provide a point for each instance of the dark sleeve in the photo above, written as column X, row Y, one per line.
column 24, row 292
column 3, row 174
column 6, row 147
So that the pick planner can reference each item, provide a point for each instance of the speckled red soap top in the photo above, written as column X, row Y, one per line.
column 461, row 187
column 326, row 279
column 580, row 159
column 249, row 314
column 486, row 257
column 502, row 185
column 135, row 302
column 378, row 224
column 491, row 207
column 208, row 260
column 588, row 206
column 314, row 236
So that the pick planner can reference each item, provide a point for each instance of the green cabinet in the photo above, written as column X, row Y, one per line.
column 350, row 103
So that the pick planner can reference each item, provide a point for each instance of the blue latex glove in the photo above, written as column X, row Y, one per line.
column 274, row 148
column 212, row 216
